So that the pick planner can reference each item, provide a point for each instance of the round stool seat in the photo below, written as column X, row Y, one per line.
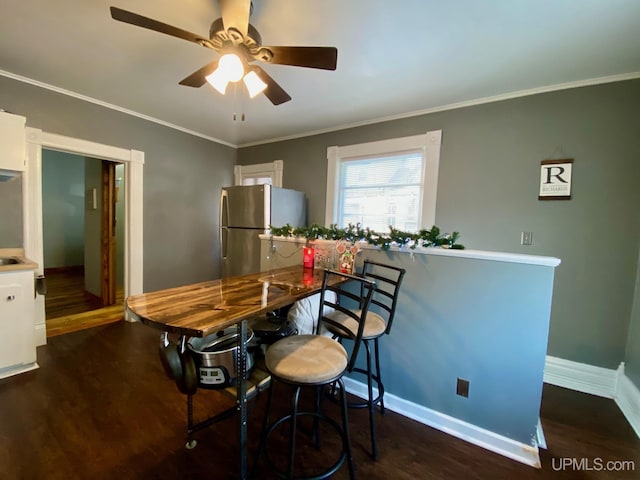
column 374, row 324
column 306, row 359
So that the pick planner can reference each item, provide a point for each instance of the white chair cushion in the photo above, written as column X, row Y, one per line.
column 374, row 325
column 306, row 359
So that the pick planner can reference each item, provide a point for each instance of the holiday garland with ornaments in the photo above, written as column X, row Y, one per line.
column 355, row 233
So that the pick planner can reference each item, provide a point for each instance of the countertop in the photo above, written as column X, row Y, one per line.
column 18, row 254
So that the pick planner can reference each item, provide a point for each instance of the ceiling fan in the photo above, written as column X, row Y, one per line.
column 239, row 45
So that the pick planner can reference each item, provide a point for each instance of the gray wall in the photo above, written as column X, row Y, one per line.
column 62, row 209
column 632, row 359
column 488, row 187
column 11, row 212
column 183, row 175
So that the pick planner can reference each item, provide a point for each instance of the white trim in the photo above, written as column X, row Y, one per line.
column 604, row 382
column 628, row 399
column 447, row 252
column 581, row 377
column 270, row 169
column 331, row 206
column 133, row 161
column 430, row 178
column 442, row 108
column 481, row 437
column 540, row 439
column 454, row 106
column 10, row 372
column 111, row 106
column 428, row 144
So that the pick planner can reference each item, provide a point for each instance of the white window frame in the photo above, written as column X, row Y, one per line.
column 271, row 169
column 429, row 143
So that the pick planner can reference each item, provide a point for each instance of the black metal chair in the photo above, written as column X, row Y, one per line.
column 378, row 322
column 317, row 361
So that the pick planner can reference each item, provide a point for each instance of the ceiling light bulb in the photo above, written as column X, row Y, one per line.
column 218, row 80
column 254, row 84
column 232, row 67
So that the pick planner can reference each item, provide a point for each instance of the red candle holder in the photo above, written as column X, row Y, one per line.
column 307, row 276
column 308, row 257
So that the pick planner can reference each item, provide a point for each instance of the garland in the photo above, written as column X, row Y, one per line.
column 355, row 233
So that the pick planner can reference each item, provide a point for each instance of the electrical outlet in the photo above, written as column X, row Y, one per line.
column 526, row 238
column 462, row 387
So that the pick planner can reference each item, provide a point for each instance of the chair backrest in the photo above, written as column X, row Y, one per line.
column 388, row 279
column 346, row 288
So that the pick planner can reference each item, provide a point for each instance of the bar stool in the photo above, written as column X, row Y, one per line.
column 378, row 322
column 317, row 361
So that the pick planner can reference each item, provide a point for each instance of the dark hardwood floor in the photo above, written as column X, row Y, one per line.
column 70, row 308
column 100, row 407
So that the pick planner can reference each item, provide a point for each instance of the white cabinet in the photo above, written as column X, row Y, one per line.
column 12, row 142
column 18, row 352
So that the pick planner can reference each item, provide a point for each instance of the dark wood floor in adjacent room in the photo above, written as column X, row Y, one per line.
column 100, row 407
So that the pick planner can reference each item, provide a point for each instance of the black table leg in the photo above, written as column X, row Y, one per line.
column 242, row 396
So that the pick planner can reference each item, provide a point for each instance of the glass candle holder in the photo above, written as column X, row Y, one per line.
column 308, row 257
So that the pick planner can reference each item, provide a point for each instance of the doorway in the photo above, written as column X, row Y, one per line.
column 133, row 161
column 83, row 237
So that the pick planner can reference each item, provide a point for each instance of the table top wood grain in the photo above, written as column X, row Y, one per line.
column 199, row 309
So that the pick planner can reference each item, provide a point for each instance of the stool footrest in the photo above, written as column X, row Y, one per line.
column 321, row 475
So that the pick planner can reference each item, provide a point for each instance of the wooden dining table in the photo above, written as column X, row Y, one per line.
column 200, row 309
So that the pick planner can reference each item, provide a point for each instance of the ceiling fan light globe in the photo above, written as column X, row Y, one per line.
column 218, row 80
column 254, row 84
column 232, row 67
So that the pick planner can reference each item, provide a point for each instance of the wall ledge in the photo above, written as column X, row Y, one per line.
column 445, row 252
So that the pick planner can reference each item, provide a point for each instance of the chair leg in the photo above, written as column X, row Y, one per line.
column 292, row 439
column 315, row 436
column 379, row 376
column 346, row 438
column 370, row 404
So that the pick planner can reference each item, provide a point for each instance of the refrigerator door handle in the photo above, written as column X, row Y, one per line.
column 224, row 208
column 224, row 222
column 224, row 234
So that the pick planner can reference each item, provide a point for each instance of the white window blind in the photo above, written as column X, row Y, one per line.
column 383, row 191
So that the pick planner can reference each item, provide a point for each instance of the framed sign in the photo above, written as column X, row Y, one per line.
column 555, row 179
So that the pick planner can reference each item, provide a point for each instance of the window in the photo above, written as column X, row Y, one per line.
column 259, row 174
column 387, row 183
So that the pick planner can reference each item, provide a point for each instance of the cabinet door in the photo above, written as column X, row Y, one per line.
column 12, row 325
column 12, row 142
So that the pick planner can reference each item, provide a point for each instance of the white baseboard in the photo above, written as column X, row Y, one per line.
column 542, row 441
column 581, row 377
column 499, row 444
column 9, row 372
column 628, row 399
column 604, row 382
column 41, row 335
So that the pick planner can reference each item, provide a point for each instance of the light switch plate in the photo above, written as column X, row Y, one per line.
column 526, row 238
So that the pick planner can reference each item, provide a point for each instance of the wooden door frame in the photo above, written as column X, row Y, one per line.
column 108, row 234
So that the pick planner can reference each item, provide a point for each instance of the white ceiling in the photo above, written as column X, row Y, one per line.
column 394, row 57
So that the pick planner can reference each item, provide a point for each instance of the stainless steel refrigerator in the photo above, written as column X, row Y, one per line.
column 245, row 213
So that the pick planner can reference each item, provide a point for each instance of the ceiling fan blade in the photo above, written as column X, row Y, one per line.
column 235, row 14
column 198, row 78
column 274, row 92
column 145, row 22
column 325, row 58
